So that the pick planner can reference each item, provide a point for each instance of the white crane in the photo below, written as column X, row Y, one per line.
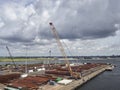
column 73, row 74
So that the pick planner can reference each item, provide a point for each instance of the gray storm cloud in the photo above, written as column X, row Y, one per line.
column 73, row 19
column 85, row 19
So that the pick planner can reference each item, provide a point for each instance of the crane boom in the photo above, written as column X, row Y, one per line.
column 11, row 56
column 61, row 47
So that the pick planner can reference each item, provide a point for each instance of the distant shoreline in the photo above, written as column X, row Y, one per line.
column 40, row 59
column 21, row 59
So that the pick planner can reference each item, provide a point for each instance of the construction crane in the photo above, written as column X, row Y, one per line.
column 11, row 56
column 73, row 74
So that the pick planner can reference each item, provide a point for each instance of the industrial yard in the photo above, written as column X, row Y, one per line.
column 54, row 77
column 59, row 44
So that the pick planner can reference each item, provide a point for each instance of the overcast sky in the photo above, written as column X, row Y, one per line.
column 86, row 27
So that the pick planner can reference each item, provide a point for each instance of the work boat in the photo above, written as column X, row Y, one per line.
column 110, row 68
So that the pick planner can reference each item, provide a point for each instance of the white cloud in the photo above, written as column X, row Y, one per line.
column 10, row 14
column 1, row 23
column 88, row 27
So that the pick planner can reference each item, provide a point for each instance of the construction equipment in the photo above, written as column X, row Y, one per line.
column 73, row 74
column 11, row 56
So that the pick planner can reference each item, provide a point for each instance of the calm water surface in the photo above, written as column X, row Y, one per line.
column 109, row 80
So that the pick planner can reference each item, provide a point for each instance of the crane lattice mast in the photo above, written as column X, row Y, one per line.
column 11, row 56
column 61, row 47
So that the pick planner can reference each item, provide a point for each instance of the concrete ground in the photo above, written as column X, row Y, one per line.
column 2, row 86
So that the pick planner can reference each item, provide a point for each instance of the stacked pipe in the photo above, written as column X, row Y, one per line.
column 7, row 78
column 30, row 82
column 56, row 72
column 80, row 68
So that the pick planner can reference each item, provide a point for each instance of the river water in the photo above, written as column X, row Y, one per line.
column 108, row 80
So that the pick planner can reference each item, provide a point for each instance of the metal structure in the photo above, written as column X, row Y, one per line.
column 11, row 56
column 73, row 74
column 29, row 83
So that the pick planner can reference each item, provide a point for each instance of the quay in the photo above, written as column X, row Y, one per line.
column 77, row 83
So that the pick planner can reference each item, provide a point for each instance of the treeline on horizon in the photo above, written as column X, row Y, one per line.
column 86, row 57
